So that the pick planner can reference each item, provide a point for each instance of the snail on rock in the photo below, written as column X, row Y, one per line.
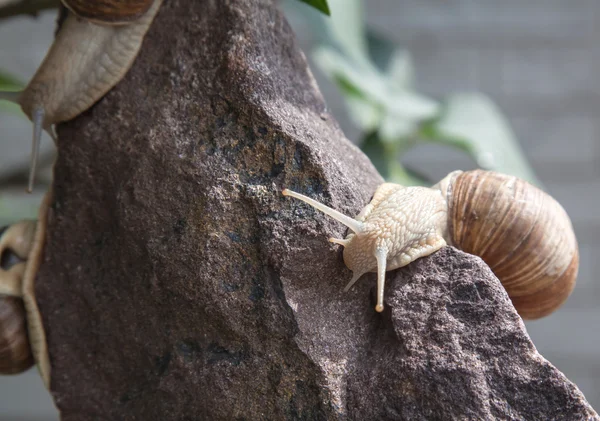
column 520, row 232
column 22, row 336
column 94, row 48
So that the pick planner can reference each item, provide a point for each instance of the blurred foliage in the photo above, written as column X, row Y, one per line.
column 377, row 82
column 15, row 206
column 9, row 83
column 320, row 5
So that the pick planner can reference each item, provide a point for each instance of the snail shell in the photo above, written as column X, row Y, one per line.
column 522, row 233
column 108, row 11
column 15, row 351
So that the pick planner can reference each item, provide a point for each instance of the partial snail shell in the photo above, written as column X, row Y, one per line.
column 521, row 232
column 15, row 352
column 109, row 11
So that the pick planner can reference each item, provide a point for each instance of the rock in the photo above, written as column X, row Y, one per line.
column 451, row 347
column 179, row 284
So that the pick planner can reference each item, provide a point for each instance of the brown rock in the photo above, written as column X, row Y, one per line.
column 452, row 347
column 179, row 284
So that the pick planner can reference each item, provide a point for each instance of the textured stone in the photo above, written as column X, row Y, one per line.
column 179, row 284
column 452, row 347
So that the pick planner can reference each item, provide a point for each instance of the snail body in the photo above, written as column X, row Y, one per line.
column 22, row 336
column 93, row 50
column 521, row 232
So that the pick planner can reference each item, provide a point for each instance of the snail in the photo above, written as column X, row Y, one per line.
column 522, row 233
column 93, row 50
column 22, row 336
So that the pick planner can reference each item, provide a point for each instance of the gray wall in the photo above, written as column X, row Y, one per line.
column 538, row 59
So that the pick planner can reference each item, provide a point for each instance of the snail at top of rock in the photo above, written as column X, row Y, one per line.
column 521, row 232
column 94, row 48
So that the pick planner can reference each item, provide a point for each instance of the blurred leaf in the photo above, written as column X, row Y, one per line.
column 474, row 123
column 410, row 105
column 365, row 115
column 336, row 65
column 320, row 5
column 400, row 108
column 394, row 127
column 400, row 71
column 9, row 83
column 380, row 48
column 384, row 157
column 15, row 206
column 346, row 28
column 359, row 84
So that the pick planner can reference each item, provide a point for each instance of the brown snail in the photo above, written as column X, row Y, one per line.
column 15, row 351
column 94, row 48
column 521, row 232
column 22, row 336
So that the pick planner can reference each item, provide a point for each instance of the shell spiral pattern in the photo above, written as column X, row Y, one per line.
column 522, row 233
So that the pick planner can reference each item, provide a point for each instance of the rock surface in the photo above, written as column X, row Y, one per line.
column 179, row 284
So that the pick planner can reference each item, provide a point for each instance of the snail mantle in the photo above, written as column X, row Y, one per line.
column 176, row 282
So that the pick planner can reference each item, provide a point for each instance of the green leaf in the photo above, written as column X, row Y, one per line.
column 360, row 79
column 394, row 128
column 15, row 206
column 400, row 70
column 380, row 48
column 384, row 157
column 9, row 83
column 474, row 123
column 410, row 105
column 320, row 5
column 358, row 83
column 366, row 115
column 360, row 75
column 346, row 28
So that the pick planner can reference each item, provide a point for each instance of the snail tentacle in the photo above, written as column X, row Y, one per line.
column 351, row 223
column 90, row 55
column 381, row 256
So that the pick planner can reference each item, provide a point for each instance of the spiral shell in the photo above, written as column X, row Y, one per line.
column 522, row 233
column 15, row 352
column 109, row 11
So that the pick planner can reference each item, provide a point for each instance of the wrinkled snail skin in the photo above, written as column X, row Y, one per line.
column 93, row 50
column 22, row 336
column 519, row 231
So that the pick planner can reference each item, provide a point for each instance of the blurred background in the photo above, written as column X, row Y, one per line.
column 424, row 87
